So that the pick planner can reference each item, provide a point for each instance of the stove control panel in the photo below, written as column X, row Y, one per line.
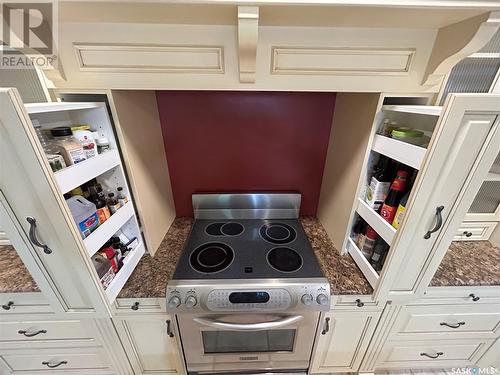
column 241, row 297
column 240, row 300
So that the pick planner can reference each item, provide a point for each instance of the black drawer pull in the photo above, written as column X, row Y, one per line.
column 327, row 326
column 468, row 234
column 33, row 238
column 169, row 330
column 438, row 354
column 27, row 334
column 359, row 303
column 474, row 297
column 8, row 305
column 452, row 325
column 439, row 222
column 135, row 306
column 56, row 365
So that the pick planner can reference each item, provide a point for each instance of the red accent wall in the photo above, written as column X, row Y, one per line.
column 245, row 142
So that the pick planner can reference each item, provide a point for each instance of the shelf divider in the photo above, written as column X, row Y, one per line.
column 382, row 227
column 129, row 264
column 363, row 264
column 76, row 175
column 403, row 152
column 107, row 229
column 429, row 110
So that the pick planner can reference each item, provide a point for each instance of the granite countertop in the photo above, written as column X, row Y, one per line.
column 151, row 275
column 14, row 277
column 469, row 263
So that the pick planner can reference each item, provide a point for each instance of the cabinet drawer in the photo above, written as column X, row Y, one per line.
column 474, row 231
column 448, row 321
column 58, row 360
column 135, row 306
column 23, row 303
column 441, row 353
column 45, row 330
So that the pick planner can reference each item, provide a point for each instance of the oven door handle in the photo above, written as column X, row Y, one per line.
column 249, row 326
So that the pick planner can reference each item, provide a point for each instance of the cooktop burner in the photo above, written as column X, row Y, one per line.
column 247, row 249
column 224, row 229
column 284, row 259
column 278, row 233
column 211, row 257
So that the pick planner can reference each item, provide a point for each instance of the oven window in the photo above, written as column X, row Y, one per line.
column 278, row 340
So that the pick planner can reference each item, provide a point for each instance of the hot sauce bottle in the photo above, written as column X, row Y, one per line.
column 396, row 192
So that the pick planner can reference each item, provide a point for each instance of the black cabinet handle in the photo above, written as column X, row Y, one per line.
column 474, row 297
column 27, row 334
column 327, row 326
column 452, row 325
column 169, row 330
column 8, row 305
column 468, row 234
column 438, row 354
column 439, row 222
column 33, row 238
column 359, row 303
column 135, row 306
column 55, row 365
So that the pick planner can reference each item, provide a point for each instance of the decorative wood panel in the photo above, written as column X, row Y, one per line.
column 149, row 58
column 346, row 61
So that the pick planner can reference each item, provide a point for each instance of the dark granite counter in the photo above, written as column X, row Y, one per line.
column 151, row 275
column 14, row 277
column 469, row 263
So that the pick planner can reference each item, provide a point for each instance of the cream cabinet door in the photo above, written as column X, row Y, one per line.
column 465, row 143
column 28, row 190
column 343, row 337
column 150, row 346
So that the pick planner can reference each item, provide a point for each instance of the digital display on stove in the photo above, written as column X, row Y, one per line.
column 249, row 297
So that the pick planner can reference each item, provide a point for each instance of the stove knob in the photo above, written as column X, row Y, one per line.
column 174, row 302
column 191, row 302
column 322, row 299
column 307, row 299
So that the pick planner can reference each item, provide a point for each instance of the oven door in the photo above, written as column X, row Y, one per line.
column 243, row 341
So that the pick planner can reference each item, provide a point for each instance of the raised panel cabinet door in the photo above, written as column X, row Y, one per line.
column 29, row 190
column 150, row 344
column 465, row 143
column 343, row 340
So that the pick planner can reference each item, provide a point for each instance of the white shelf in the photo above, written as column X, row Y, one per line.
column 492, row 177
column 129, row 264
column 429, row 110
column 363, row 264
column 106, row 230
column 33, row 108
column 382, row 227
column 403, row 152
column 76, row 175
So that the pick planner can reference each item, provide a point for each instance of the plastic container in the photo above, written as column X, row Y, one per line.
column 102, row 144
column 84, row 213
column 415, row 137
column 69, row 147
column 87, row 139
column 104, row 269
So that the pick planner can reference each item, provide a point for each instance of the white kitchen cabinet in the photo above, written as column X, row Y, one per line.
column 151, row 343
column 465, row 138
column 65, row 262
column 342, row 339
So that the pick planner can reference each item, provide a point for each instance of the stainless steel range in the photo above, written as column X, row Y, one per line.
column 248, row 291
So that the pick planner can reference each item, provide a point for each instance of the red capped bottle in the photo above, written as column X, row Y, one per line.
column 396, row 192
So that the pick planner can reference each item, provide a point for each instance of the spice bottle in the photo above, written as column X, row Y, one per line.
column 86, row 138
column 56, row 161
column 70, row 148
column 122, row 198
column 102, row 144
column 112, row 203
column 369, row 242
